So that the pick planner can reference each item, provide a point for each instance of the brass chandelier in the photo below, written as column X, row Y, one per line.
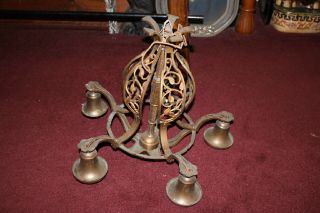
column 159, row 77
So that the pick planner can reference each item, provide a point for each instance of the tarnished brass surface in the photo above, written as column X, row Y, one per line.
column 219, row 136
column 90, row 168
column 149, row 139
column 94, row 106
column 161, row 78
column 184, row 191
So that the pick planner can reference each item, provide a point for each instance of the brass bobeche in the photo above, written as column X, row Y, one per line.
column 184, row 191
column 95, row 106
column 90, row 168
column 161, row 78
column 219, row 136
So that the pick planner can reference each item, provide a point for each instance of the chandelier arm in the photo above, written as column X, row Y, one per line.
column 128, row 134
column 186, row 168
column 184, row 132
column 172, row 142
column 124, row 121
column 223, row 116
column 164, row 142
column 94, row 86
column 90, row 144
column 192, row 141
column 185, row 125
column 176, row 139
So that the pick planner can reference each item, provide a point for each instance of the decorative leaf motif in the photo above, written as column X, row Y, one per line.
column 141, row 73
column 132, row 88
column 171, row 80
column 171, row 99
column 186, row 168
column 167, row 111
column 181, row 87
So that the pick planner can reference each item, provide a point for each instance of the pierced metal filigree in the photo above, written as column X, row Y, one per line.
column 164, row 67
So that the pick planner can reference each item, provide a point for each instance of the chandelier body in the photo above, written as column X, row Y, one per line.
column 161, row 78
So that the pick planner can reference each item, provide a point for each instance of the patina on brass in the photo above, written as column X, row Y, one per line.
column 161, row 78
column 90, row 168
column 219, row 136
column 184, row 191
column 95, row 106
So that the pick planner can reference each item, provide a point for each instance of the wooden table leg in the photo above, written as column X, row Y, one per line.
column 180, row 8
column 245, row 22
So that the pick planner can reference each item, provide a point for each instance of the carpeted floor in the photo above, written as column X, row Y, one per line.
column 269, row 80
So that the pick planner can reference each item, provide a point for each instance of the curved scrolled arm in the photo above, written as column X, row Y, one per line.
column 187, row 128
column 94, row 86
column 221, row 116
column 186, row 168
column 90, row 144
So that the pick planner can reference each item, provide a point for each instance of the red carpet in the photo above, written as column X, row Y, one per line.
column 269, row 80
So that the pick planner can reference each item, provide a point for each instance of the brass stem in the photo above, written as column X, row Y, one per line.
column 155, row 93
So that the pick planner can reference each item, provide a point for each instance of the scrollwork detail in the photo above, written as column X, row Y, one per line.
column 173, row 94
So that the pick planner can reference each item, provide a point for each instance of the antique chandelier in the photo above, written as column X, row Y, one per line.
column 158, row 79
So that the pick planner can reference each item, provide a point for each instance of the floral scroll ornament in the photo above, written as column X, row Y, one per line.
column 170, row 69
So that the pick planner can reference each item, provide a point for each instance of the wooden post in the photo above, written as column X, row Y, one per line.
column 180, row 8
column 245, row 22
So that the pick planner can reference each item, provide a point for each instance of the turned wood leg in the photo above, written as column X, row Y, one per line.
column 245, row 23
column 180, row 8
